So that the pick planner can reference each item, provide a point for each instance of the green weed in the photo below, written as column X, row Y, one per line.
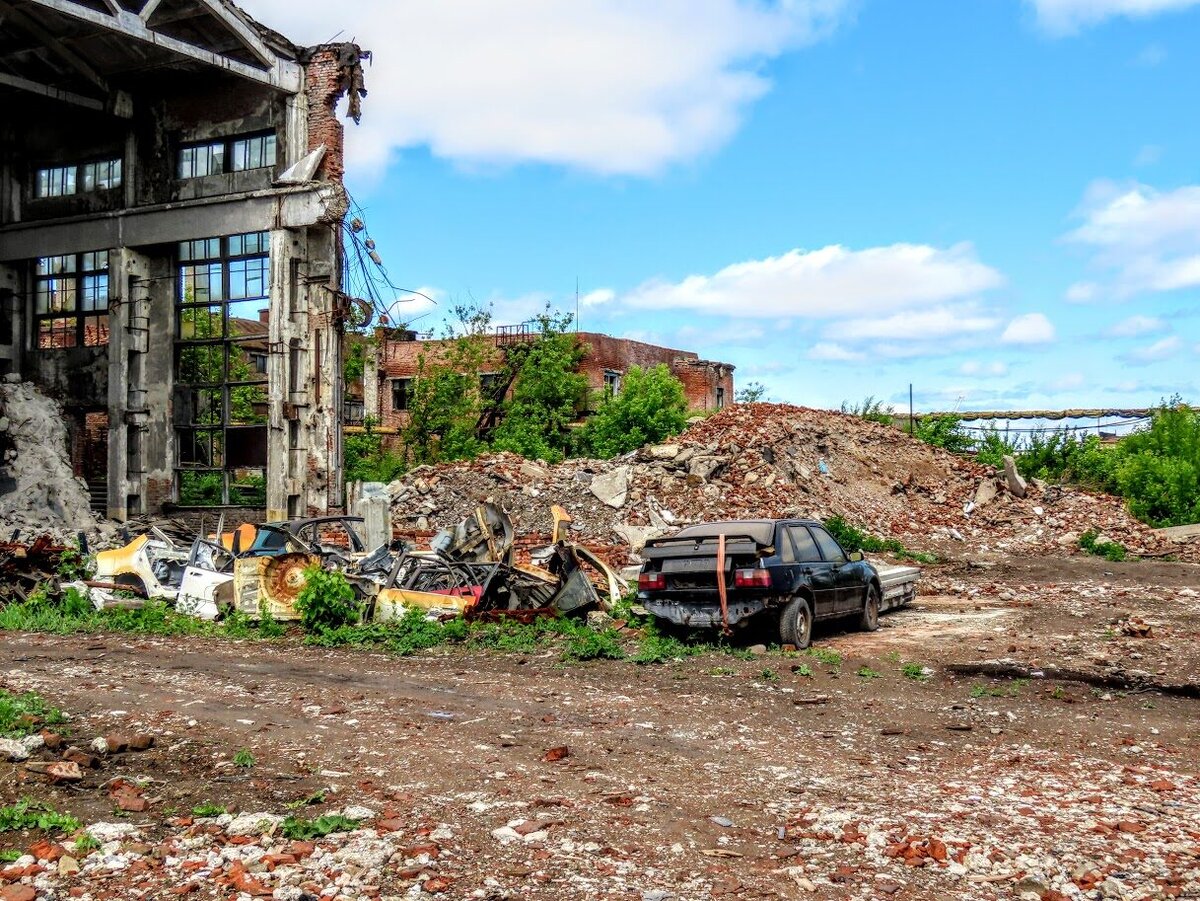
column 768, row 675
column 1109, row 550
column 208, row 809
column 865, row 672
column 244, row 759
column 914, row 671
column 825, row 656
column 27, row 814
column 300, row 829
column 25, row 714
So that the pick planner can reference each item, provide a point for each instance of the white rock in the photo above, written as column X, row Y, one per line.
column 252, row 824
column 111, row 832
column 11, row 749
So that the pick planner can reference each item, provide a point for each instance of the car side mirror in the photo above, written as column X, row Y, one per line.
column 856, row 557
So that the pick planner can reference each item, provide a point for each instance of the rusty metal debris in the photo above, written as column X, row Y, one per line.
column 24, row 566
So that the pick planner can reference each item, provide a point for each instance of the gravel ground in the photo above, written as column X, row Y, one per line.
column 489, row 775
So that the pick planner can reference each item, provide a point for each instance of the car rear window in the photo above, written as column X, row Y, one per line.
column 762, row 531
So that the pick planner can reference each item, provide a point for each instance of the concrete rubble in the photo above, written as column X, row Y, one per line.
column 765, row 460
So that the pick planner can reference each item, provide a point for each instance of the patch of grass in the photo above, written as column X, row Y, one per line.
column 1109, row 550
column 852, row 539
column 300, row 829
column 914, row 671
column 317, row 797
column 865, row 672
column 27, row 814
column 208, row 809
column 591, row 645
column 722, row 671
column 25, row 714
column 244, row 759
column 655, row 648
column 9, row 856
column 826, row 656
column 1011, row 690
column 768, row 675
column 802, row 669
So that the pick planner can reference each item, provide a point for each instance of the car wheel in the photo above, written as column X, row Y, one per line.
column 795, row 624
column 870, row 614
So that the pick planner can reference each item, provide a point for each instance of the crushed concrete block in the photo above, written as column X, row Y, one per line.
column 612, row 487
column 985, row 493
column 1016, row 484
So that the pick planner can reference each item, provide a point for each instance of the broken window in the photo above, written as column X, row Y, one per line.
column 401, row 388
column 202, row 159
column 227, row 155
column 612, row 383
column 220, row 370
column 71, row 300
column 254, row 153
column 62, row 181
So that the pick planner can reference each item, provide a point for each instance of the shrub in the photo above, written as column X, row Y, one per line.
column 587, row 644
column 751, row 393
column 945, row 432
column 327, row 600
column 852, row 539
column 1109, row 550
column 870, row 409
column 650, row 408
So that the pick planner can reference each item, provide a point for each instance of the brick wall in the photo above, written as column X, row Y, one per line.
column 701, row 378
column 332, row 71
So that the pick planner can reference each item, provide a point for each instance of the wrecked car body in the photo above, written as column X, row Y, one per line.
column 150, row 566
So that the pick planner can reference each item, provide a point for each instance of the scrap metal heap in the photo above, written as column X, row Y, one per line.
column 469, row 570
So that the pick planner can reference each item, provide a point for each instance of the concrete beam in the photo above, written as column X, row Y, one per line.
column 185, row 221
column 45, row 90
column 282, row 74
column 244, row 32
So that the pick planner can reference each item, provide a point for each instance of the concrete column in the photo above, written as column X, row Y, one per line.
column 13, row 305
column 128, row 415
column 285, row 487
column 370, row 381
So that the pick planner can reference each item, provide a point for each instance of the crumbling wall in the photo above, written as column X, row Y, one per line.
column 38, row 490
column 332, row 71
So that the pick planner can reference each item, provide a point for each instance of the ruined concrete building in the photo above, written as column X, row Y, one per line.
column 394, row 355
column 171, row 215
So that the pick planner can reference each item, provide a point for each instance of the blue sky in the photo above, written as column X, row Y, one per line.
column 995, row 200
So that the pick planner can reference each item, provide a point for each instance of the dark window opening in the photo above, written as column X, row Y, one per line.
column 63, row 181
column 400, row 393
column 612, row 383
column 720, row 398
column 220, row 370
column 71, row 301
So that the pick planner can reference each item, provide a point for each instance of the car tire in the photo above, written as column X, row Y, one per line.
column 795, row 624
column 869, row 621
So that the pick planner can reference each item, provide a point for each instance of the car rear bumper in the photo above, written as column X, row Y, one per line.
column 702, row 614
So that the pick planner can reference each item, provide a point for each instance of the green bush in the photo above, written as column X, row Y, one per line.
column 1109, row 550
column 327, row 601
column 1158, row 469
column 650, row 408
column 587, row 644
column 945, row 432
column 852, row 539
column 870, row 409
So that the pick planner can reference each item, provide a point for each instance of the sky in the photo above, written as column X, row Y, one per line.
column 995, row 201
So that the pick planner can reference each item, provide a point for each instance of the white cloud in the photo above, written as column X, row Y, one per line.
column 975, row 367
column 834, row 352
column 1148, row 155
column 607, row 86
column 1160, row 350
column 1135, row 326
column 1149, row 240
column 597, row 298
column 1068, row 16
column 834, row 282
column 939, row 322
column 1031, row 328
column 1069, row 382
column 409, row 307
column 1082, row 292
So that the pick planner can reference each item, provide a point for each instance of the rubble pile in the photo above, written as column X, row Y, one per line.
column 775, row 460
column 39, row 492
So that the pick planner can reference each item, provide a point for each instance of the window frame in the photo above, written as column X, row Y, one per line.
column 213, row 433
column 225, row 149
column 84, row 278
column 403, row 384
column 75, row 174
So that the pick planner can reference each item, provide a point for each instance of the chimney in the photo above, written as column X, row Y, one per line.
column 264, row 316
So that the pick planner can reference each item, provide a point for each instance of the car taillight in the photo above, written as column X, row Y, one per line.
column 652, row 582
column 752, row 578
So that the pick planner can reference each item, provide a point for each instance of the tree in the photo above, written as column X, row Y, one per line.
column 651, row 407
column 445, row 402
column 751, row 393
column 547, row 393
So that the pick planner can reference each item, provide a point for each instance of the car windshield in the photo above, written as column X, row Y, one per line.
column 762, row 531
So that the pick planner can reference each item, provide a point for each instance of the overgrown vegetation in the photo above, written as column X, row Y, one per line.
column 300, row 829
column 750, row 393
column 871, row 408
column 852, row 539
column 25, row 714
column 28, row 814
column 650, row 407
column 1155, row 469
column 1109, row 550
column 327, row 601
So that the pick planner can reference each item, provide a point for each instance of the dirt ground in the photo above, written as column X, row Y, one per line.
column 713, row 776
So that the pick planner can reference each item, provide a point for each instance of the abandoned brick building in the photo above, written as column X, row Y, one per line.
column 394, row 354
column 171, row 225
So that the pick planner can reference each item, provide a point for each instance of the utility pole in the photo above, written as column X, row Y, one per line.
column 910, row 410
column 577, row 304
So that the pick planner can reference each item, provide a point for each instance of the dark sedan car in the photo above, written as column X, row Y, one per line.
column 720, row 574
